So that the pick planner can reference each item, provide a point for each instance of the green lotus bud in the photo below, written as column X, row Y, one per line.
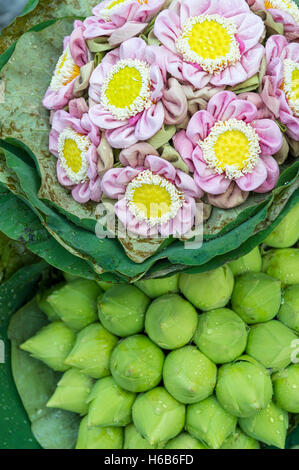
column 268, row 425
column 170, row 321
column 221, row 335
column 289, row 309
column 243, row 387
column 252, row 262
column 109, row 404
column 256, row 297
column 154, row 288
column 76, row 303
column 184, row 441
column 42, row 301
column 286, row 234
column 272, row 344
column 286, row 388
column 51, row 345
column 136, row 364
column 70, row 277
column 105, row 285
column 99, row 438
column 188, row 375
column 241, row 441
column 134, row 440
column 209, row 422
column 72, row 392
column 92, row 350
column 208, row 290
column 158, row 416
column 122, row 310
column 283, row 264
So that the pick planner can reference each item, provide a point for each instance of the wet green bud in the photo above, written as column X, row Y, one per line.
column 286, row 388
column 208, row 290
column 70, row 277
column 184, row 441
column 289, row 309
column 171, row 321
column 256, row 297
column 286, row 233
column 243, row 387
column 158, row 416
column 221, row 335
column 269, row 426
column 109, row 404
column 51, row 345
column 283, row 264
column 272, row 344
column 72, row 392
column 134, row 440
column 241, row 441
column 209, row 422
column 92, row 350
column 105, row 285
column 156, row 287
column 252, row 262
column 44, row 305
column 122, row 310
column 99, row 438
column 188, row 375
column 136, row 364
column 76, row 303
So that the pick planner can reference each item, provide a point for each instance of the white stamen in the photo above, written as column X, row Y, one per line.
column 146, row 177
column 83, row 144
column 289, row 66
column 64, row 70
column 232, row 171
column 212, row 66
column 142, row 101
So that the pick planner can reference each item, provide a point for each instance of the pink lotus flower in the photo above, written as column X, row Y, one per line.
column 120, row 20
column 67, row 72
column 280, row 85
column 130, row 96
column 228, row 142
column 211, row 41
column 285, row 12
column 152, row 195
column 74, row 140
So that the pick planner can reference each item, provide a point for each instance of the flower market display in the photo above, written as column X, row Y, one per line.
column 149, row 198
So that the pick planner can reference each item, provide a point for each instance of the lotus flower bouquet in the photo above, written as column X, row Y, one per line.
column 146, row 125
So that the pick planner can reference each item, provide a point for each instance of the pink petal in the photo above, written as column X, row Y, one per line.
column 253, row 180
column 78, row 46
column 103, row 118
column 272, row 175
column 161, row 167
column 133, row 48
column 150, row 123
column 115, row 181
column 185, row 148
column 122, row 137
column 200, row 126
column 270, row 136
column 131, row 223
column 226, row 105
column 187, row 184
column 206, row 178
column 182, row 222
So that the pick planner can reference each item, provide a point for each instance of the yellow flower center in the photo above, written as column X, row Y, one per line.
column 287, row 6
column 209, row 41
column 153, row 199
column 290, row 84
column 72, row 155
column 72, row 149
column 126, row 89
column 65, row 72
column 232, row 147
